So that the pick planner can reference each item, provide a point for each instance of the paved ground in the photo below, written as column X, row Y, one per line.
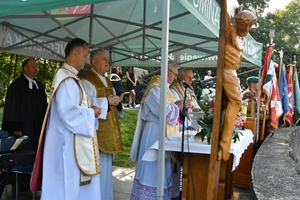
column 122, row 183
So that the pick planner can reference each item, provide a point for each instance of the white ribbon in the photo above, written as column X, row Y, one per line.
column 30, row 84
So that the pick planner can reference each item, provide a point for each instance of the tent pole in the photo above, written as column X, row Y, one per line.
column 162, row 120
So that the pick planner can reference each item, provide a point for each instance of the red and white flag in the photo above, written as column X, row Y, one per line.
column 275, row 102
column 290, row 82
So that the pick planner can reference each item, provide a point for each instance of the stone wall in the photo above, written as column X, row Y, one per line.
column 275, row 168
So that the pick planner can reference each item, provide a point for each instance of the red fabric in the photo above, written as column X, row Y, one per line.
column 36, row 177
column 289, row 78
column 275, row 102
column 264, row 73
column 77, row 9
column 180, row 121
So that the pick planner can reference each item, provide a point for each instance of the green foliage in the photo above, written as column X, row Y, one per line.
column 206, row 122
column 11, row 68
column 127, row 125
column 1, row 115
column 235, row 134
column 256, row 6
column 286, row 24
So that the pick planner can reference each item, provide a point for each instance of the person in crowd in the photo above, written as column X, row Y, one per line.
column 185, row 75
column 208, row 75
column 24, row 110
column 251, row 94
column 234, row 37
column 116, row 79
column 251, row 91
column 118, row 70
column 209, row 83
column 131, row 83
column 118, row 83
column 147, row 133
column 100, row 91
column 25, row 106
column 67, row 163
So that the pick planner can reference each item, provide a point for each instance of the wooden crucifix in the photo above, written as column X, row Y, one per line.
column 228, row 99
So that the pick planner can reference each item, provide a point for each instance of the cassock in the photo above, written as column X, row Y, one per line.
column 24, row 110
column 107, row 123
column 145, row 180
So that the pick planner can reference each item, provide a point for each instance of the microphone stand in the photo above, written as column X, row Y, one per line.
column 182, row 117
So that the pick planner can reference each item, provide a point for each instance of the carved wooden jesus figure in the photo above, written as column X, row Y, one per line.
column 234, row 34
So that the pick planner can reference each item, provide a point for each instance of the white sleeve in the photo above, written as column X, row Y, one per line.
column 175, row 95
column 100, row 102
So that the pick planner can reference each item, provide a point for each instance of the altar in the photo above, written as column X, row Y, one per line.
column 196, row 162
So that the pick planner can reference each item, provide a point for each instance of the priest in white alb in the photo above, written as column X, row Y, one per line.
column 67, row 163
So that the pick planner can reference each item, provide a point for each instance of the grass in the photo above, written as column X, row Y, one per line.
column 127, row 126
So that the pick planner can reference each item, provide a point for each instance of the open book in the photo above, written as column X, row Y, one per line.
column 20, row 142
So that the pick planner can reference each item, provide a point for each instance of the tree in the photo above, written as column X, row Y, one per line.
column 257, row 6
column 286, row 24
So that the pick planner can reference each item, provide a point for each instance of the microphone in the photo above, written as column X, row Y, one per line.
column 185, row 85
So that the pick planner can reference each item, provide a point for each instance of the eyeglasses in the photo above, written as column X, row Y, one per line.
column 173, row 73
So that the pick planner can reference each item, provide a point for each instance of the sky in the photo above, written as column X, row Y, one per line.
column 276, row 4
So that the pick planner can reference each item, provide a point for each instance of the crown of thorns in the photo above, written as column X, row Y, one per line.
column 246, row 16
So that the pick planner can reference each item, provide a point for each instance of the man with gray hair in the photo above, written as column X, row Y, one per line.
column 208, row 75
column 147, row 132
column 101, row 93
column 185, row 76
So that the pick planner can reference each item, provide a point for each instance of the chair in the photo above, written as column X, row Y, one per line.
column 25, row 169
column 6, row 145
column 3, row 134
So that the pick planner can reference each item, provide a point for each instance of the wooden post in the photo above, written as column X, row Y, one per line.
column 214, row 164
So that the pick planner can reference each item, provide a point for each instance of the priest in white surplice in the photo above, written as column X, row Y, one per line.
column 101, row 92
column 147, row 133
column 67, row 163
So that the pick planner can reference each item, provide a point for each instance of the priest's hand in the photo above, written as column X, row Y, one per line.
column 180, row 104
column 97, row 111
column 113, row 100
column 188, row 104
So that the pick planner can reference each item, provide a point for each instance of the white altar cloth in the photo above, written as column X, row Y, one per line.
column 173, row 144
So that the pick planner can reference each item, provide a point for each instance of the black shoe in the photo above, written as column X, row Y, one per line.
column 133, row 105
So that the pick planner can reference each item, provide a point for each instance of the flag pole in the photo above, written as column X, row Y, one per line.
column 280, row 65
column 271, row 35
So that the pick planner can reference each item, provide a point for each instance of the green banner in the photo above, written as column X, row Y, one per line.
column 208, row 13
